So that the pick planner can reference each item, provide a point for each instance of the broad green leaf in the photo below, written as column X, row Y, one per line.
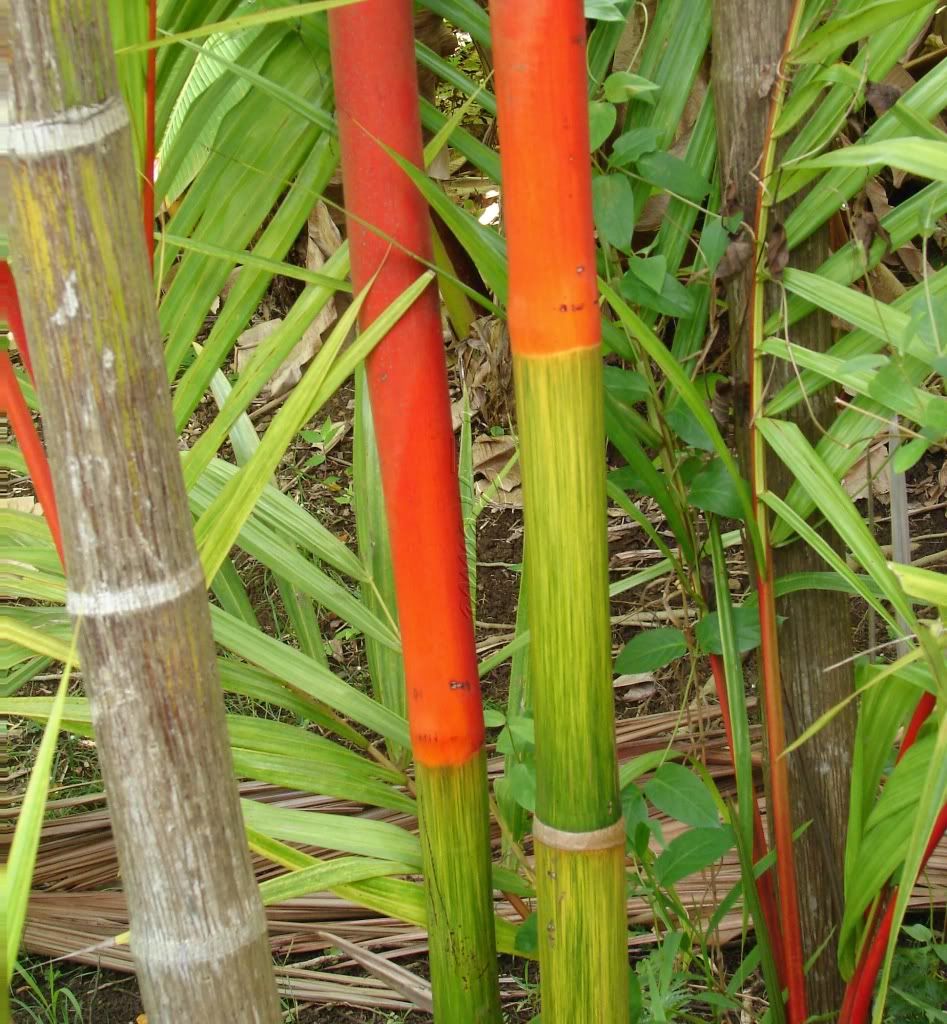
column 602, row 117
column 745, row 626
column 603, row 10
column 632, row 770
column 673, row 175
column 683, row 796
column 522, row 783
column 632, row 145
column 694, row 850
column 651, row 649
column 621, row 86
column 713, row 489
column 614, row 208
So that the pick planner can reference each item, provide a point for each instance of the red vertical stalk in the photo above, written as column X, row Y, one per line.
column 764, row 884
column 377, row 102
column 373, row 63
column 793, row 961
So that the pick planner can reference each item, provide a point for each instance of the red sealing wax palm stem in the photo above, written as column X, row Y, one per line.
column 553, row 304
column 377, row 102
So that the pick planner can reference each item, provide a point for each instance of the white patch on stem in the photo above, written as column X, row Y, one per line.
column 101, row 601
column 71, row 129
column 69, row 306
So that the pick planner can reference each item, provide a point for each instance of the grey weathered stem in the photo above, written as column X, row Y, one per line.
column 135, row 582
column 748, row 41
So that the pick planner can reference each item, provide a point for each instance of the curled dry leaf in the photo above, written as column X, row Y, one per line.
column 866, row 228
column 491, row 457
column 882, row 96
column 322, row 240
column 486, row 370
column 885, row 287
column 777, row 251
column 636, row 687
column 873, row 463
column 735, row 258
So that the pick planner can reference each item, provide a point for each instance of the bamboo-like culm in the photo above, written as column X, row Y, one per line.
column 388, row 226
column 542, row 97
column 135, row 583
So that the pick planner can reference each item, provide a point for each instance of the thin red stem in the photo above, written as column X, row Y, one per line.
column 781, row 812
column 764, row 884
column 793, row 959
column 148, row 171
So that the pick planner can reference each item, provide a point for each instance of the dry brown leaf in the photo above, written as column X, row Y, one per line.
column 486, row 371
column 777, row 251
column 322, row 231
column 882, row 96
column 735, row 258
column 491, row 456
column 856, row 481
column 885, row 287
column 636, row 688
column 323, row 239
